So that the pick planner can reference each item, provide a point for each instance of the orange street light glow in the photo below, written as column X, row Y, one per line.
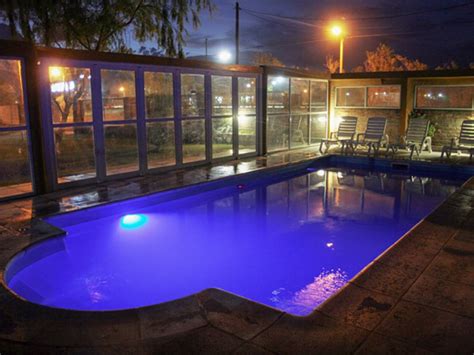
column 336, row 30
column 55, row 71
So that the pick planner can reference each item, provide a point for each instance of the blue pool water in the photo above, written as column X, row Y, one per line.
column 287, row 242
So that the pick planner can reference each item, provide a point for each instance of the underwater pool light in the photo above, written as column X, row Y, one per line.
column 132, row 221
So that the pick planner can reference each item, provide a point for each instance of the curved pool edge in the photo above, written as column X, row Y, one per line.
column 357, row 309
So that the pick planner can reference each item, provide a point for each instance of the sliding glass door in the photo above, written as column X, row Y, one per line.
column 120, row 120
column 15, row 165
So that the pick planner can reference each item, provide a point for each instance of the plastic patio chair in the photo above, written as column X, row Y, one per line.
column 465, row 141
column 372, row 137
column 414, row 138
column 345, row 134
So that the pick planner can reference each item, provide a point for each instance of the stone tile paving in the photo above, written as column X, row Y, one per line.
column 418, row 297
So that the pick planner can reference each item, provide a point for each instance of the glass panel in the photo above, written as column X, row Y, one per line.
column 70, row 90
column 445, row 97
column 194, row 140
column 11, row 94
column 247, row 96
column 277, row 132
column 221, row 95
column 118, row 95
column 299, row 95
column 221, row 137
column 75, row 157
column 192, row 95
column 347, row 97
column 160, row 143
column 319, row 95
column 159, row 95
column 383, row 96
column 318, row 127
column 121, row 153
column 299, row 131
column 277, row 94
column 247, row 134
column 15, row 175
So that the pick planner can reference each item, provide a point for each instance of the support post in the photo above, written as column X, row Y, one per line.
column 237, row 33
column 341, row 55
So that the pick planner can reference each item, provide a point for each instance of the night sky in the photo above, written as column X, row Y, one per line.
column 434, row 37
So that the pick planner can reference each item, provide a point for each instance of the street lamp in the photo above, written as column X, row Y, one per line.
column 224, row 56
column 338, row 31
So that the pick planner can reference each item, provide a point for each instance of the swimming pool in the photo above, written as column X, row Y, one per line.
column 288, row 241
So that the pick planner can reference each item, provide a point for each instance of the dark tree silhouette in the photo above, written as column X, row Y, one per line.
column 102, row 25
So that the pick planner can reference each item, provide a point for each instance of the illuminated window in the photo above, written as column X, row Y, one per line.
column 445, row 97
column 350, row 97
column 383, row 96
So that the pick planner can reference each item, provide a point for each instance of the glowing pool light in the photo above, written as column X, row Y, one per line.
column 133, row 221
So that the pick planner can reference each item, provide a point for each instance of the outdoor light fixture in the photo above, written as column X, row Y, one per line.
column 55, row 71
column 224, row 56
column 338, row 32
column 133, row 221
column 278, row 80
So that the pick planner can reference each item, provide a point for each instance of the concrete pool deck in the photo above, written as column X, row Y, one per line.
column 417, row 297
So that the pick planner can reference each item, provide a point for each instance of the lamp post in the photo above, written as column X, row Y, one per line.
column 224, row 56
column 337, row 31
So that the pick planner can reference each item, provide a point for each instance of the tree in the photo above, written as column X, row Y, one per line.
column 331, row 64
column 452, row 65
column 71, row 89
column 384, row 58
column 103, row 25
column 266, row 58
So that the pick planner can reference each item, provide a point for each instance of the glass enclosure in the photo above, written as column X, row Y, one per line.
column 119, row 119
column 296, row 112
column 15, row 169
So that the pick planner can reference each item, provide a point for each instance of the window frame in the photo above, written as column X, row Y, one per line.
column 141, row 121
column 366, row 96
